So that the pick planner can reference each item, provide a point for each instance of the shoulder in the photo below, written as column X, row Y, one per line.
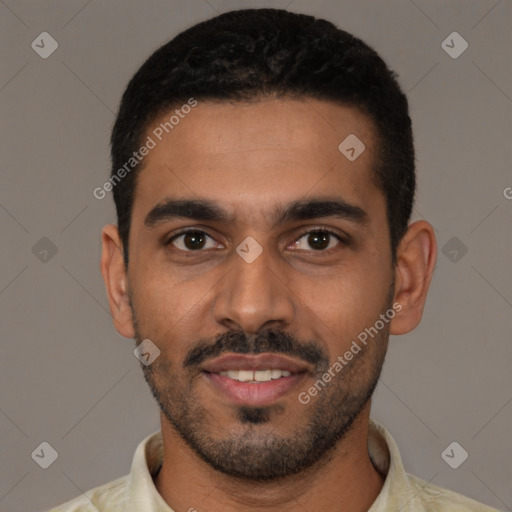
column 110, row 496
column 432, row 498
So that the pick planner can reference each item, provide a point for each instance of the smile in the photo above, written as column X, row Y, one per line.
column 255, row 376
column 255, row 379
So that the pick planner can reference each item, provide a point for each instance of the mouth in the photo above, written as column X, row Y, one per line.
column 256, row 380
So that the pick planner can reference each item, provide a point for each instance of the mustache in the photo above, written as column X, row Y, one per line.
column 270, row 340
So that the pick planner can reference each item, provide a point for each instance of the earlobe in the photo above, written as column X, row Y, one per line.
column 415, row 263
column 116, row 281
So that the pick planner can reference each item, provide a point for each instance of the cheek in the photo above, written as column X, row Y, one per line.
column 169, row 310
column 351, row 300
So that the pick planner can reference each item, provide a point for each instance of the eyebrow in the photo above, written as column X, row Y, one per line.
column 206, row 210
column 200, row 209
column 316, row 208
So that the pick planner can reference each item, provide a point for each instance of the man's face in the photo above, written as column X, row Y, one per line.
column 291, row 298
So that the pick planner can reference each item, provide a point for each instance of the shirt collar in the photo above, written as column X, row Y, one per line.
column 382, row 449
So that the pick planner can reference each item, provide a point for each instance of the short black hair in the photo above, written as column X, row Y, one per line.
column 253, row 54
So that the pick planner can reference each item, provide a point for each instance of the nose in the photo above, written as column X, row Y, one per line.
column 253, row 296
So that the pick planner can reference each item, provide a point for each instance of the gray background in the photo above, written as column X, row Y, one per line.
column 67, row 377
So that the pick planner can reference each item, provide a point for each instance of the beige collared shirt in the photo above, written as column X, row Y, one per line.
column 401, row 492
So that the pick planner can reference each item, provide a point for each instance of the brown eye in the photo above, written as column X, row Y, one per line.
column 317, row 240
column 192, row 241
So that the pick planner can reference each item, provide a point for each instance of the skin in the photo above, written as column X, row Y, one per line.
column 249, row 158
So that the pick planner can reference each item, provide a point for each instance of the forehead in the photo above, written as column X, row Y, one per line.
column 251, row 155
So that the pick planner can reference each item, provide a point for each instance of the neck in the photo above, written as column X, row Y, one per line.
column 346, row 480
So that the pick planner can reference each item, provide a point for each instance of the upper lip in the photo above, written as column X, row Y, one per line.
column 266, row 361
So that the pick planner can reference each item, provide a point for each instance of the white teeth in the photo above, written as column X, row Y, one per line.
column 245, row 376
column 263, row 375
column 255, row 376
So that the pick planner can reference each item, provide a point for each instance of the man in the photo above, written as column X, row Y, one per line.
column 263, row 175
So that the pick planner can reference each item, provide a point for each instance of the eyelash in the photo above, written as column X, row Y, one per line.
column 343, row 241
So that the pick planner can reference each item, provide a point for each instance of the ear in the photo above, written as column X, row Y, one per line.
column 415, row 263
column 116, row 281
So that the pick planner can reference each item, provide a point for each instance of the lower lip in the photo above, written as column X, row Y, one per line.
column 255, row 394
